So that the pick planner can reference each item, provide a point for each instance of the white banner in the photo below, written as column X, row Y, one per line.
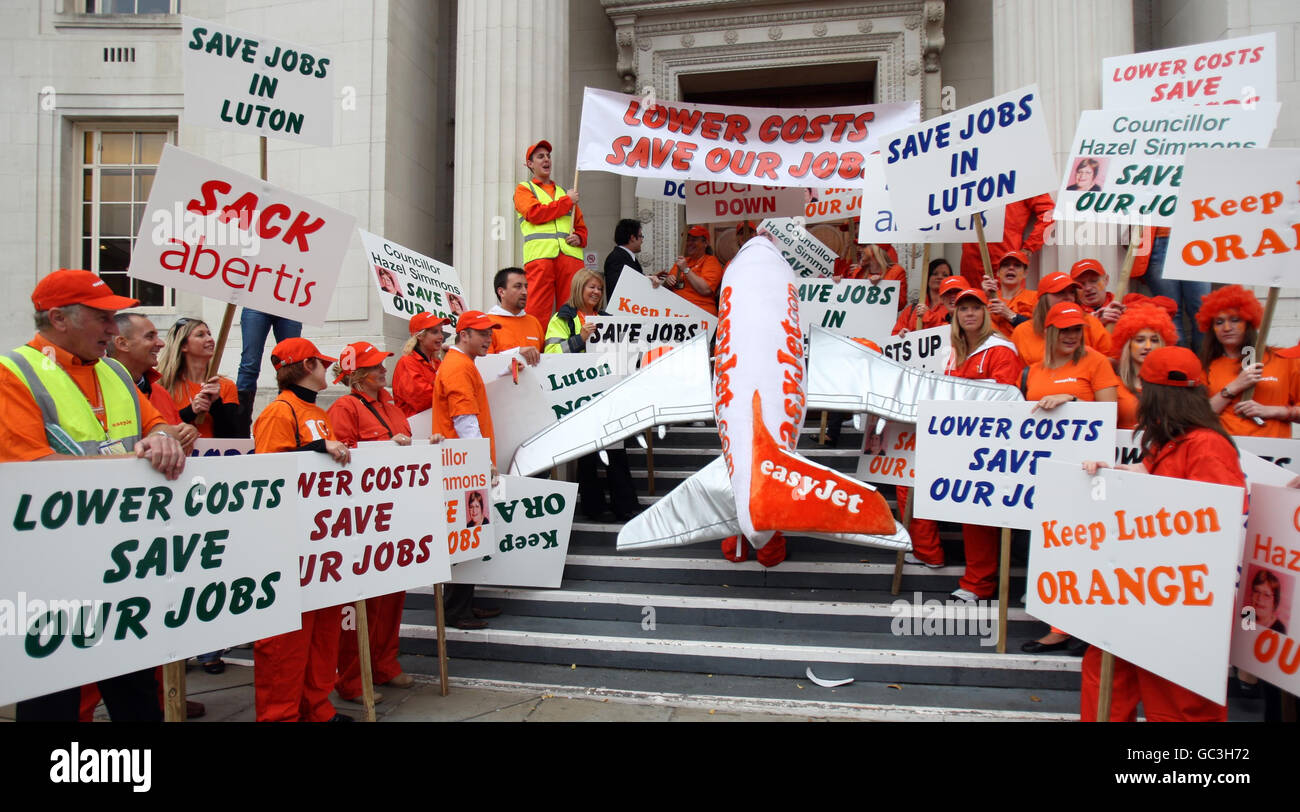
column 1238, row 222
column 256, row 85
column 108, row 568
column 807, row 255
column 366, row 529
column 664, row 191
column 978, row 462
column 534, row 518
column 211, row 447
column 975, row 159
column 889, row 457
column 1230, row 71
column 224, row 235
column 466, row 480
column 635, row 296
column 878, row 223
column 1141, row 566
column 825, row 205
column 409, row 282
column 1127, row 165
column 854, row 308
column 713, row 202
column 632, row 135
column 1264, row 640
column 926, row 349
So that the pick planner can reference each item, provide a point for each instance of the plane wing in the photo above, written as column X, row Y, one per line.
column 674, row 389
column 845, row 376
column 703, row 508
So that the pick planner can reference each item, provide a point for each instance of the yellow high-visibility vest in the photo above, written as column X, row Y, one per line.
column 546, row 240
column 67, row 414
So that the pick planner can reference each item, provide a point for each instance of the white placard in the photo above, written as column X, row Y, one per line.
column 634, row 295
column 631, row 135
column 534, row 518
column 1274, row 450
column 926, row 349
column 1141, row 566
column 253, row 84
column 366, row 529
column 854, row 307
column 1236, row 224
column 714, row 202
column 277, row 252
column 161, row 570
column 421, row 424
column 978, row 462
column 878, row 223
column 1230, row 71
column 1127, row 165
column 807, row 255
column 826, row 205
column 662, row 190
column 213, row 447
column 1258, row 470
column 1264, row 640
column 466, row 483
column 978, row 158
column 633, row 336
column 888, row 458
column 409, row 282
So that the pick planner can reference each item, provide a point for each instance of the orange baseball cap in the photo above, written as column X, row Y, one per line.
column 68, row 287
column 359, row 355
column 425, row 321
column 543, row 144
column 293, row 350
column 957, row 283
column 1019, row 256
column 973, row 293
column 1172, row 366
column 697, row 231
column 1056, row 283
column 475, row 320
column 1083, row 266
column 1064, row 314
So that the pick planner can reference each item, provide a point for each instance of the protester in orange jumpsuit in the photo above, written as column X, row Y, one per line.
column 980, row 353
column 1093, row 293
column 933, row 310
column 544, row 208
column 293, row 673
column 415, row 371
column 1181, row 438
column 1010, row 300
column 1032, row 214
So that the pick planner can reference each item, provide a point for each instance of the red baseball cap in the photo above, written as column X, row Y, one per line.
column 1172, row 366
column 952, row 283
column 475, row 320
column 68, row 287
column 425, row 321
column 1056, row 283
column 359, row 355
column 293, row 350
column 973, row 293
column 1064, row 314
column 543, row 144
column 1019, row 256
column 697, row 231
column 750, row 224
column 1083, row 266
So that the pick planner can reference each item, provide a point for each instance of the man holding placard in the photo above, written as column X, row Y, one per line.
column 553, row 230
column 60, row 399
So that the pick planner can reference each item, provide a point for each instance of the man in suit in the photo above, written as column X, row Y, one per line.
column 627, row 244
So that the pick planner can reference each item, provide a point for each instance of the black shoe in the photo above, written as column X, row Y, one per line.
column 217, row 666
column 339, row 717
column 484, row 614
column 1076, row 646
column 467, row 623
column 1035, row 647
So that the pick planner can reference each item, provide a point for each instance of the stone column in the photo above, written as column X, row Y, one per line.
column 512, row 89
column 1060, row 45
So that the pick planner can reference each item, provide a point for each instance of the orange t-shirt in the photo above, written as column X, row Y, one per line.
column 457, row 391
column 1083, row 378
column 183, row 395
column 1127, row 416
column 1031, row 345
column 1279, row 386
column 517, row 331
column 1022, row 304
column 288, row 423
column 707, row 268
column 22, row 430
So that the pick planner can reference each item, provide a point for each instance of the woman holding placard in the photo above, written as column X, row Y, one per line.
column 1145, row 326
column 1229, row 317
column 1181, row 437
column 368, row 413
column 415, row 371
column 935, row 311
column 1069, row 372
column 979, row 352
column 183, row 370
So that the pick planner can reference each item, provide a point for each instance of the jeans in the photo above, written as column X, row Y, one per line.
column 255, row 326
column 1187, row 295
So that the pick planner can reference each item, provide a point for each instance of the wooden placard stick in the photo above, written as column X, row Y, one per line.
column 984, row 245
column 363, row 655
column 442, row 639
column 897, row 583
column 1004, row 588
column 925, row 288
column 1107, row 682
column 1126, row 270
column 1261, row 341
column 174, row 691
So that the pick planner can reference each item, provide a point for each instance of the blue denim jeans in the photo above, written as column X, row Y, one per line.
column 1187, row 295
column 255, row 326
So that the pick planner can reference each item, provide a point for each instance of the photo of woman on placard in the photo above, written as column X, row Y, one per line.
column 1269, row 595
column 1087, row 176
column 476, row 511
column 388, row 281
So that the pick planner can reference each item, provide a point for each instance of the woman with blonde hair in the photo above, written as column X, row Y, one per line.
column 415, row 371
column 210, row 404
column 1145, row 326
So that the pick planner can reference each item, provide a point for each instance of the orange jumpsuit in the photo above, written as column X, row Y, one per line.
column 1022, row 304
column 293, row 673
column 549, row 279
column 413, row 382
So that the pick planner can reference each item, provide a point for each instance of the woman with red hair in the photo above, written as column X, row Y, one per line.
column 1230, row 317
column 1145, row 326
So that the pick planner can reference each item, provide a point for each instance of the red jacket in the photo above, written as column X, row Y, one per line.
column 1035, row 210
column 936, row 316
column 354, row 422
column 995, row 359
column 413, row 382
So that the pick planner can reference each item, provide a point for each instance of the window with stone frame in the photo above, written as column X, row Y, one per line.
column 132, row 6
